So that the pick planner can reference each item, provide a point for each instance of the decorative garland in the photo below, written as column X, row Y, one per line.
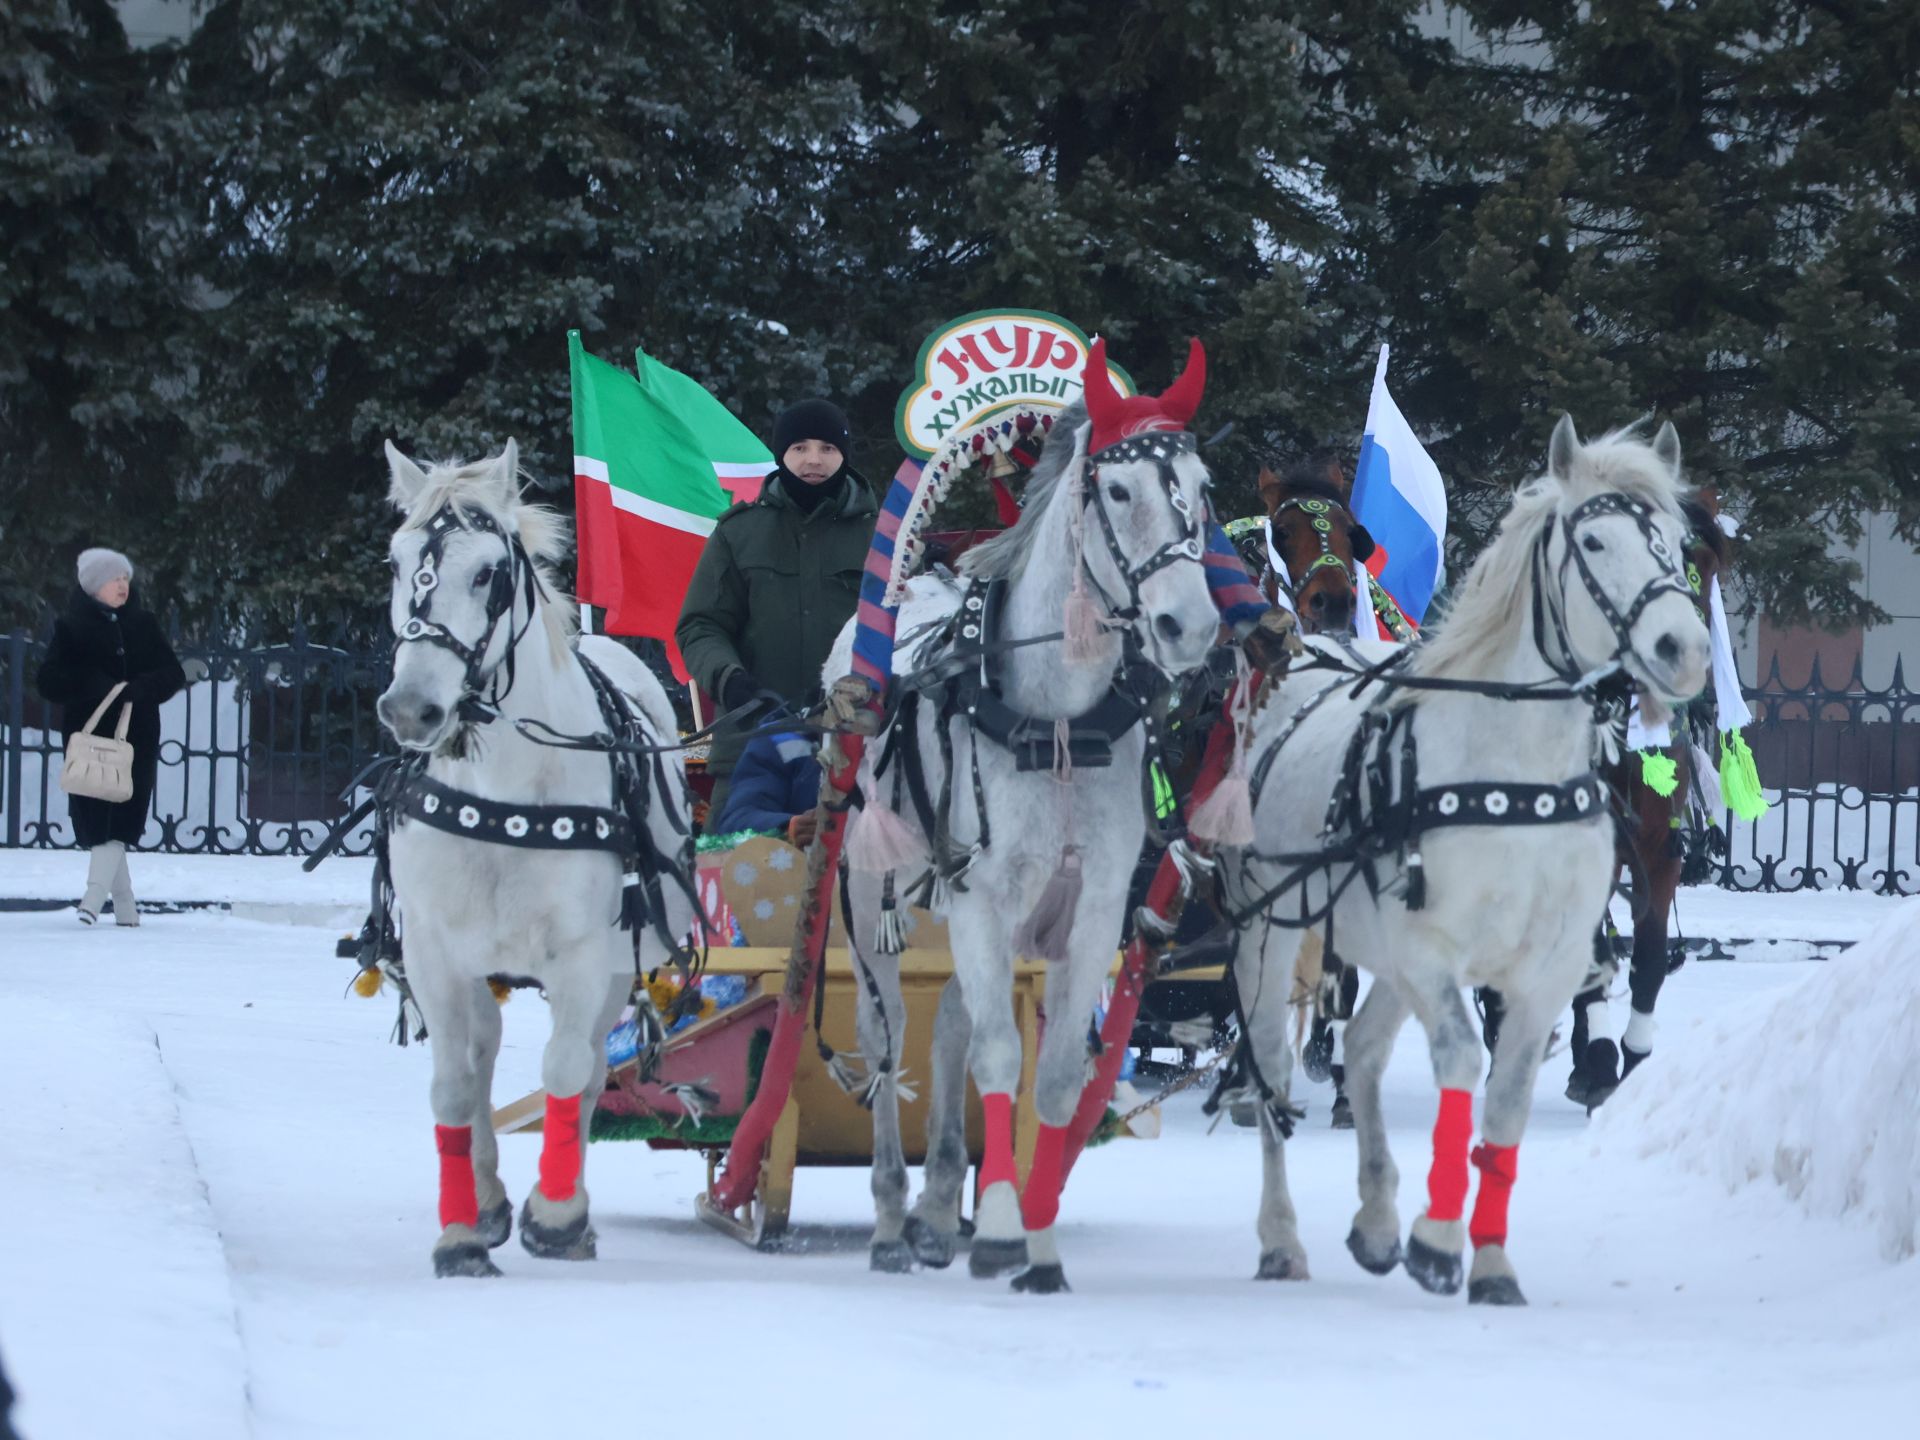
column 899, row 535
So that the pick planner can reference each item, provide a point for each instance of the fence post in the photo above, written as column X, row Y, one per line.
column 16, row 728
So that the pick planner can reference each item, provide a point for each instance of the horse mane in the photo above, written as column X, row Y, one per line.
column 1496, row 599
column 1007, row 553
column 476, row 487
column 1704, row 526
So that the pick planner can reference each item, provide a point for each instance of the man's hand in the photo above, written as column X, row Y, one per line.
column 739, row 688
column 801, row 829
column 1274, row 643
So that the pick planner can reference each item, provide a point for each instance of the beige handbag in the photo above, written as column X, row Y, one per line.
column 98, row 767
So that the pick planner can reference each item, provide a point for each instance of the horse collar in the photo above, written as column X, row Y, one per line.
column 1029, row 739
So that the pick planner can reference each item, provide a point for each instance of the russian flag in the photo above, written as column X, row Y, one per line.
column 1398, row 495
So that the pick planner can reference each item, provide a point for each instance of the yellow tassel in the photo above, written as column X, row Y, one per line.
column 1740, row 778
column 368, row 982
column 502, row 992
column 1659, row 772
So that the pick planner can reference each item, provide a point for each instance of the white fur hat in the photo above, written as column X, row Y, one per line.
column 98, row 567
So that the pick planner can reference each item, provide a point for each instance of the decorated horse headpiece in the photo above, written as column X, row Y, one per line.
column 1119, row 418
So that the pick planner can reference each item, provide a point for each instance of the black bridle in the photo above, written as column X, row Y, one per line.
column 1159, row 448
column 1320, row 516
column 1549, row 603
column 515, row 579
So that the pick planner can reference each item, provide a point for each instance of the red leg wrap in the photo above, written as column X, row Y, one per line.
column 560, row 1150
column 1040, row 1201
column 996, row 1157
column 1452, row 1132
column 1498, row 1165
column 459, row 1203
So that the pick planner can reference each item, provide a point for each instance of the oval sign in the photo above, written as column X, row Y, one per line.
column 992, row 360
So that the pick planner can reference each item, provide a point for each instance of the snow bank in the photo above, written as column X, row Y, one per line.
column 1813, row 1089
column 115, row 1301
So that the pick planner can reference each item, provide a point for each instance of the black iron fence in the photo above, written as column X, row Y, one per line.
column 255, row 754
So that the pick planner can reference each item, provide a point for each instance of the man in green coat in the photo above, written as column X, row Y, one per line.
column 779, row 578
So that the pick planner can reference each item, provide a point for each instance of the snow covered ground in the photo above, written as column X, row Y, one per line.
column 220, row 1182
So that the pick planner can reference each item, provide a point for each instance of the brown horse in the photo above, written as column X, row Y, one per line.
column 1318, row 542
column 1652, row 845
column 1322, row 548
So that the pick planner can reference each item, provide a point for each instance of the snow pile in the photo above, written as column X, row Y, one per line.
column 1813, row 1088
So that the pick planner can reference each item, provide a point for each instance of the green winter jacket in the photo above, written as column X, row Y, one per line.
column 770, row 595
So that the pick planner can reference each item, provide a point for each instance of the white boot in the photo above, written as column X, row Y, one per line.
column 103, row 864
column 125, row 910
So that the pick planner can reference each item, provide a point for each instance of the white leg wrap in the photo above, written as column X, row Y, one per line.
column 1599, row 1020
column 1339, row 1028
column 1639, row 1035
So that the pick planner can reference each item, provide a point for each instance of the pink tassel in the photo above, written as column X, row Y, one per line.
column 1226, row 816
column 882, row 841
column 1083, row 627
column 1082, row 620
column 1045, row 933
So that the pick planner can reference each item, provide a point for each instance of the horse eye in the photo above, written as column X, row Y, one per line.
column 393, row 566
column 1593, row 544
column 483, row 578
column 1117, row 492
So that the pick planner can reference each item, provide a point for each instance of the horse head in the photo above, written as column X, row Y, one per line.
column 1709, row 542
column 1317, row 542
column 467, row 587
column 1613, row 561
column 1144, row 488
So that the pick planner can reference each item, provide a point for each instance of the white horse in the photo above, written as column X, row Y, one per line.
column 481, row 643
column 1585, row 576
column 1141, row 507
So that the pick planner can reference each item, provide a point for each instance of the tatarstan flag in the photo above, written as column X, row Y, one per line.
column 655, row 461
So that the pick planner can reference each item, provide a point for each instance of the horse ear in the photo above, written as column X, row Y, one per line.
column 1266, row 486
column 1561, row 447
column 1337, row 478
column 1182, row 398
column 1103, row 401
column 405, row 480
column 1666, row 445
column 1362, row 543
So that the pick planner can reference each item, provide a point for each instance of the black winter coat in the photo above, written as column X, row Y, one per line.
column 94, row 647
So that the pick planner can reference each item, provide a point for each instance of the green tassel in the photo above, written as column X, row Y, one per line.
column 1739, row 780
column 1659, row 772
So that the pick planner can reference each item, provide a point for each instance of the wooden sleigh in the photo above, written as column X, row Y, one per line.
column 759, row 885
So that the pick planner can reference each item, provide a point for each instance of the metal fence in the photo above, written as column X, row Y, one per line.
column 257, row 750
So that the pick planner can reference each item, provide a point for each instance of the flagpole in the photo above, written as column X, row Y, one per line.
column 586, row 618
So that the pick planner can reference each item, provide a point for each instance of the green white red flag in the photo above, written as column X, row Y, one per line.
column 656, row 460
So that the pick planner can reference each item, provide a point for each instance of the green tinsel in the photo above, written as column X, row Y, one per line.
column 1658, row 770
column 1739, row 779
column 707, row 844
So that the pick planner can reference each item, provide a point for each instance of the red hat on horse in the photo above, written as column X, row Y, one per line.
column 1116, row 417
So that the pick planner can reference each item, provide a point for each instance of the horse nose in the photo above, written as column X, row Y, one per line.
column 407, row 718
column 1667, row 648
column 1169, row 627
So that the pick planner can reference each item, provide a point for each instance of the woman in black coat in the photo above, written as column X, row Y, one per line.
column 102, row 640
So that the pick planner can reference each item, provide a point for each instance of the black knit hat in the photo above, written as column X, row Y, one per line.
column 811, row 420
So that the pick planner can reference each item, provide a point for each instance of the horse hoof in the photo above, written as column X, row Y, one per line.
column 468, row 1259
column 1316, row 1058
column 1495, row 1290
column 930, row 1247
column 990, row 1259
column 572, row 1241
column 1279, row 1265
column 1342, row 1113
column 1435, row 1271
column 1041, row 1280
column 496, row 1224
column 1374, row 1262
column 890, row 1257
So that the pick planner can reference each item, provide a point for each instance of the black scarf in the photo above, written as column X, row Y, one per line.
column 808, row 498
